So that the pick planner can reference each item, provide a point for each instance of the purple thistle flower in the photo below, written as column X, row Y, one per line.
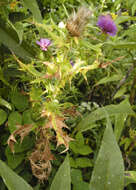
column 44, row 43
column 72, row 62
column 107, row 25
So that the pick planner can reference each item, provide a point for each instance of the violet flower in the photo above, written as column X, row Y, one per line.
column 107, row 25
column 44, row 43
column 72, row 62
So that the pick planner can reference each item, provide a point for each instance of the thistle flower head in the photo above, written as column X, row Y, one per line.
column 107, row 25
column 44, row 43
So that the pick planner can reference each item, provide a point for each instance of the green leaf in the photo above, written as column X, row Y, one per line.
column 27, row 117
column 120, row 92
column 25, row 145
column 78, row 145
column 81, row 185
column 20, row 101
column 121, row 19
column 133, row 8
column 83, row 162
column 130, row 177
column 108, row 173
column 35, row 94
column 77, row 181
column 76, row 176
column 72, row 162
column 3, row 116
column 9, row 38
column 19, row 29
column 119, row 125
column 5, row 103
column 14, row 119
column 109, row 79
column 88, row 122
column 80, row 149
column 11, row 179
column 14, row 159
column 120, row 45
column 62, row 179
column 32, row 5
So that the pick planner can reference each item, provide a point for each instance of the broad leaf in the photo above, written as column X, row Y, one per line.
column 83, row 162
column 14, row 159
column 20, row 101
column 11, row 179
column 119, row 125
column 108, row 173
column 3, row 116
column 77, row 181
column 88, row 122
column 14, row 119
column 62, row 179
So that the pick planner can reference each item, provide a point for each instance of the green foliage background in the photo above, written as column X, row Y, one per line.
column 100, row 89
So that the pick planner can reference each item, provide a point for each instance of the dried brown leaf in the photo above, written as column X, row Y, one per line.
column 40, row 159
column 22, row 131
column 57, row 123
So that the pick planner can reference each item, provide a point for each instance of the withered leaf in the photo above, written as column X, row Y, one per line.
column 22, row 131
column 57, row 123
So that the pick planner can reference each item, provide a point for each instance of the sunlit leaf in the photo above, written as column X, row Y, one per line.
column 108, row 170
column 121, row 19
column 62, row 179
column 11, row 179
column 119, row 125
column 88, row 121
column 5, row 103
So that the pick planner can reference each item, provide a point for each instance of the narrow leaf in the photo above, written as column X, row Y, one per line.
column 62, row 179
column 121, row 45
column 109, row 79
column 32, row 5
column 11, row 179
column 88, row 121
column 9, row 38
column 5, row 103
column 108, row 173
